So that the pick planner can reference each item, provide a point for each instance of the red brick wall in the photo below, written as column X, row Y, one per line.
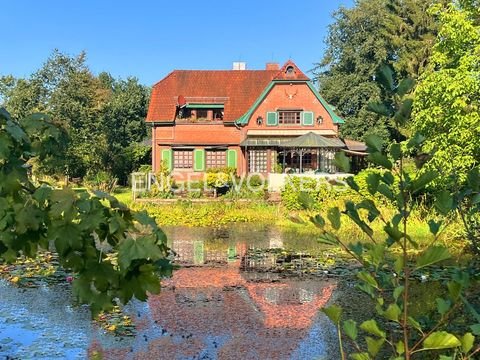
column 294, row 96
column 199, row 135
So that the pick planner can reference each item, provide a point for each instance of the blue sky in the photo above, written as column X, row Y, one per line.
column 148, row 39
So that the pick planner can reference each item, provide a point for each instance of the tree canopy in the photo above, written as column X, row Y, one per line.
column 360, row 40
column 447, row 104
column 103, row 116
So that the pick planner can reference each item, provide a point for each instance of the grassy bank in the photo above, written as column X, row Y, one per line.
column 185, row 213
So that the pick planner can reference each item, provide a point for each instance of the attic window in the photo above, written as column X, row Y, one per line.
column 290, row 70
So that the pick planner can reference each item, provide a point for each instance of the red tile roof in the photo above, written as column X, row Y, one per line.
column 236, row 89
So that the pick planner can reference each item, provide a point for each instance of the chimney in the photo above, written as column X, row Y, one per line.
column 239, row 65
column 272, row 66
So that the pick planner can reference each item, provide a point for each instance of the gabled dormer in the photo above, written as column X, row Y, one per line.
column 290, row 72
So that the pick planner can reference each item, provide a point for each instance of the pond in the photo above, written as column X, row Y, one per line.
column 227, row 301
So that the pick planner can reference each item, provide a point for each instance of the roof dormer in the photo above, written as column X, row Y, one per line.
column 291, row 72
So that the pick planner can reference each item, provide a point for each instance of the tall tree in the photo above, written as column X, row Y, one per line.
column 447, row 100
column 373, row 32
column 123, row 122
column 103, row 116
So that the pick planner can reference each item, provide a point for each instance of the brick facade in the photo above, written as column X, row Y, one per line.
column 273, row 91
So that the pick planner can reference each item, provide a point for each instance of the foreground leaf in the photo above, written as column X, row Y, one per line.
column 432, row 255
column 441, row 340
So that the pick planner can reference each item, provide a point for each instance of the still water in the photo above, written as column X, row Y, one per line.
column 223, row 303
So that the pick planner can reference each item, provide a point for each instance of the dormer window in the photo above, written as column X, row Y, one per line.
column 201, row 112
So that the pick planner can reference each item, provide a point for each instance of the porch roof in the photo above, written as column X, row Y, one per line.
column 312, row 140
column 308, row 140
column 264, row 141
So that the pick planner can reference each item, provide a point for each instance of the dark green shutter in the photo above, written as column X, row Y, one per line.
column 167, row 158
column 307, row 118
column 232, row 158
column 198, row 160
column 272, row 119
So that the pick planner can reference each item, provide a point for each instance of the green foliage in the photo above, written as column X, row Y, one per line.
column 114, row 252
column 308, row 193
column 387, row 269
column 220, row 177
column 447, row 105
column 103, row 117
column 363, row 37
column 102, row 181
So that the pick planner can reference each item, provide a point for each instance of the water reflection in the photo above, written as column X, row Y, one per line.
column 213, row 308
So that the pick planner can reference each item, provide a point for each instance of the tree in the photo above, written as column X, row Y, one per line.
column 103, row 116
column 362, row 38
column 123, row 123
column 447, row 104
column 114, row 252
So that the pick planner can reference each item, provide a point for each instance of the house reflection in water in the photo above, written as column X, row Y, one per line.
column 223, row 303
column 222, row 311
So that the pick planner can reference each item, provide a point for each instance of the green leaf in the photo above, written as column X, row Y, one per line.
column 393, row 312
column 62, row 202
column 357, row 248
column 306, row 200
column 141, row 248
column 415, row 324
column 434, row 226
column 385, row 191
column 424, row 179
column 396, row 151
column 475, row 329
column 405, row 86
column 342, row 161
column 400, row 347
column 360, row 356
column 350, row 329
column 369, row 279
column 318, row 221
column 333, row 216
column 371, row 327
column 374, row 345
column 444, row 202
column 328, row 239
column 380, row 159
column 454, row 290
column 373, row 180
column 367, row 289
column 432, row 255
column 296, row 219
column 385, row 77
column 374, row 143
column 380, row 109
column 443, row 306
column 334, row 313
column 397, row 292
column 441, row 340
column 352, row 183
column 467, row 341
column 404, row 112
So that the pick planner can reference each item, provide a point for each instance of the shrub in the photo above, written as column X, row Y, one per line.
column 102, row 181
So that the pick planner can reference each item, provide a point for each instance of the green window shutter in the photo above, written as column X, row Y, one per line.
column 307, row 118
column 198, row 160
column 232, row 158
column 167, row 158
column 272, row 119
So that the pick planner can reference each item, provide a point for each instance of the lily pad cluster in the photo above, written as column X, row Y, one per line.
column 115, row 321
column 28, row 272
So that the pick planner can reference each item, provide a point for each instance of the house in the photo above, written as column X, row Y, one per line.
column 258, row 121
